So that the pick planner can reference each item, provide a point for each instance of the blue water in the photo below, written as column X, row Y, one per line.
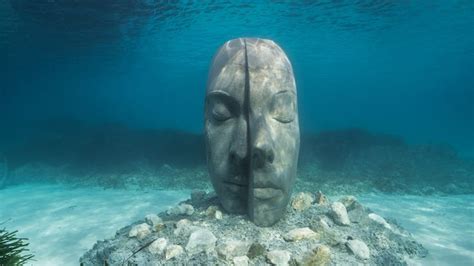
column 88, row 86
column 397, row 67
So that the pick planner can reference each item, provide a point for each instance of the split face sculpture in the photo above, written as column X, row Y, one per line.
column 251, row 128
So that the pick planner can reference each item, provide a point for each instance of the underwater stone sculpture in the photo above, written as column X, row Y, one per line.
column 252, row 129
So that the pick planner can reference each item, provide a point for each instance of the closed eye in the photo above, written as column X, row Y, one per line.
column 283, row 107
column 221, row 106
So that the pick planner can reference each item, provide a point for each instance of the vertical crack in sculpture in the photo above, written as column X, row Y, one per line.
column 251, row 128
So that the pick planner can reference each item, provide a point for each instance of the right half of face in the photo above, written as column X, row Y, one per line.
column 274, row 144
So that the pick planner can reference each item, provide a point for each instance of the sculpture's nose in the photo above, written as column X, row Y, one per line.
column 263, row 152
column 238, row 149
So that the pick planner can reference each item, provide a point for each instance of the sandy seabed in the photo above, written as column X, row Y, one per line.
column 63, row 222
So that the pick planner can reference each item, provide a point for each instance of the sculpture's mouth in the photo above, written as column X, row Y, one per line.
column 234, row 186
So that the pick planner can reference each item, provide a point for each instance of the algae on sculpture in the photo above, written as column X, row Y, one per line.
column 252, row 129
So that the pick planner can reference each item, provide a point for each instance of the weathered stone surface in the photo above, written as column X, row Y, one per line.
column 300, row 234
column 256, row 249
column 184, row 227
column 380, row 220
column 391, row 247
column 173, row 251
column 158, row 246
column 320, row 256
column 218, row 215
column 211, row 211
column 358, row 248
column 241, row 261
column 321, row 198
column 154, row 221
column 357, row 214
column 349, row 202
column 233, row 248
column 201, row 240
column 181, row 209
column 140, row 231
column 339, row 214
column 302, row 201
column 252, row 76
column 279, row 257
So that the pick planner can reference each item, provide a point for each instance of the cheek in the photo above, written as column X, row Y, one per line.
column 218, row 140
column 286, row 138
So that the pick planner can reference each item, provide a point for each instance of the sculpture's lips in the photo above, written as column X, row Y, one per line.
column 235, row 187
column 267, row 193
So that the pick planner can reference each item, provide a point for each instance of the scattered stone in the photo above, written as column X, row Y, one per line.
column 320, row 256
column 316, row 240
column 279, row 257
column 158, row 246
column 302, row 201
column 300, row 234
column 256, row 249
column 181, row 209
column 211, row 211
column 380, row 220
column 155, row 222
column 349, row 202
column 241, row 261
column 357, row 214
column 140, row 231
column 233, row 248
column 201, row 240
column 218, row 215
column 321, row 198
column 339, row 214
column 184, row 227
column 198, row 195
column 173, row 251
column 358, row 248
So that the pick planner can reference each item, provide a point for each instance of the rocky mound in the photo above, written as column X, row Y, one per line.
column 315, row 231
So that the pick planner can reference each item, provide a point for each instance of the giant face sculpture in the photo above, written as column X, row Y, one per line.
column 251, row 128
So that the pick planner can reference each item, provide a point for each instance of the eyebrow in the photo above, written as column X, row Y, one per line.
column 286, row 91
column 223, row 96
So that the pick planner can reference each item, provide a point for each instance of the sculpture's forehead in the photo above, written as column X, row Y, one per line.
column 265, row 59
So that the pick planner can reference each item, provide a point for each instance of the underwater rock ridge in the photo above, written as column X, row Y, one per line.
column 309, row 236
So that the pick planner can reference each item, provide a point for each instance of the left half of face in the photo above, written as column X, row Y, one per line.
column 226, row 130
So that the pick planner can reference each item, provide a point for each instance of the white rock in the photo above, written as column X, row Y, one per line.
column 359, row 248
column 181, row 209
column 201, row 240
column 302, row 201
column 380, row 220
column 158, row 246
column 184, row 227
column 349, row 202
column 212, row 211
column 140, row 231
column 153, row 219
column 339, row 214
column 279, row 257
column 233, row 248
column 173, row 251
column 324, row 224
column 300, row 233
column 241, row 261
column 218, row 215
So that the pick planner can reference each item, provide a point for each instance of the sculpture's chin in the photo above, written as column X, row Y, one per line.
column 233, row 197
column 266, row 210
